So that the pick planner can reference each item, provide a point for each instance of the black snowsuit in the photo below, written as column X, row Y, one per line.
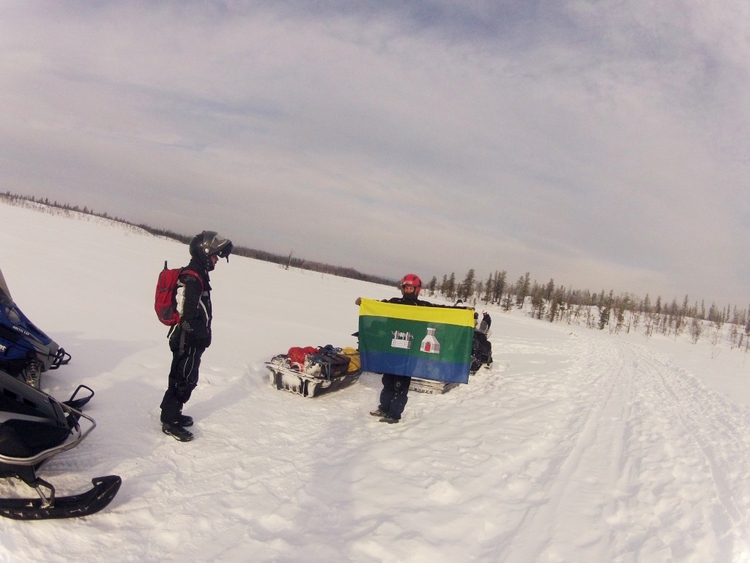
column 484, row 326
column 188, row 340
column 393, row 397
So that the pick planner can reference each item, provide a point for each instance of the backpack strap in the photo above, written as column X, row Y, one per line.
column 195, row 275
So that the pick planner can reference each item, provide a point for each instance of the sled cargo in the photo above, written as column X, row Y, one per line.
column 312, row 372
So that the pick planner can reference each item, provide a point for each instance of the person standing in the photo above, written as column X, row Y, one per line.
column 192, row 335
column 484, row 326
column 395, row 391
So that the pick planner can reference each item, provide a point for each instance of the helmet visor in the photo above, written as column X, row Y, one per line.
column 220, row 246
column 225, row 250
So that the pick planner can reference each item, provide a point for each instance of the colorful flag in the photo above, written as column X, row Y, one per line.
column 427, row 342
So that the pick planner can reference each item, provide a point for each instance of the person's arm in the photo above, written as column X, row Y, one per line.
column 193, row 318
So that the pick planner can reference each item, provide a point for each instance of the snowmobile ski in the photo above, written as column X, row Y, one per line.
column 46, row 508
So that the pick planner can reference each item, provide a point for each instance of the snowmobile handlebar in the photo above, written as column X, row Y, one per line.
column 60, row 358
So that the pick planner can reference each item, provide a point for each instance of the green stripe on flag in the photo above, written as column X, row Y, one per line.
column 447, row 343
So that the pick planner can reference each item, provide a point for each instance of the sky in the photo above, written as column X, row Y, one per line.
column 600, row 144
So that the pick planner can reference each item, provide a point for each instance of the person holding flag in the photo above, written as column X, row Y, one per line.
column 395, row 391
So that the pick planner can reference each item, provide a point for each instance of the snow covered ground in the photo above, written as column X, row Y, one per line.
column 577, row 446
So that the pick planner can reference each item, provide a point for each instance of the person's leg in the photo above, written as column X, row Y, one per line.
column 400, row 392
column 386, row 395
column 183, row 378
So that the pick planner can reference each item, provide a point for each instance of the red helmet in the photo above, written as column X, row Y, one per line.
column 413, row 280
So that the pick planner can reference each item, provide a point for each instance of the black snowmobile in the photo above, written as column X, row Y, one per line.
column 25, row 351
column 35, row 427
column 481, row 350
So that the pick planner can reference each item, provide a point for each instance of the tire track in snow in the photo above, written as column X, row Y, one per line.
column 709, row 490
column 585, row 467
column 650, row 465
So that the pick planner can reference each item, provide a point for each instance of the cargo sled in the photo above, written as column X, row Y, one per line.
column 25, row 351
column 35, row 427
column 311, row 371
column 430, row 386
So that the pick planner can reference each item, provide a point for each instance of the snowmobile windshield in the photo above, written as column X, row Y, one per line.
column 5, row 297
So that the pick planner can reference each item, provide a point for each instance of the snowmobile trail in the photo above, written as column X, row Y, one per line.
column 705, row 445
column 583, row 463
column 642, row 434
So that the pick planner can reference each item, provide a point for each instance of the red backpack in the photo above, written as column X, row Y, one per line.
column 165, row 302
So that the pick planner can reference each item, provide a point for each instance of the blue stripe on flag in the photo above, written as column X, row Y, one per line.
column 412, row 366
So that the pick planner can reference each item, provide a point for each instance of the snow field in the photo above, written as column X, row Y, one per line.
column 576, row 445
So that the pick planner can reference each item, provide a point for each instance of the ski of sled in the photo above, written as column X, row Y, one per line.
column 74, row 506
column 300, row 383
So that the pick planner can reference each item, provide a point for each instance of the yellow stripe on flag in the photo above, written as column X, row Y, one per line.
column 442, row 315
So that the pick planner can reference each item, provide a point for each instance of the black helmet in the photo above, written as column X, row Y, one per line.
column 208, row 243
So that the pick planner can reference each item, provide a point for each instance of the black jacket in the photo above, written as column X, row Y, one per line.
column 417, row 302
column 404, row 301
column 194, row 329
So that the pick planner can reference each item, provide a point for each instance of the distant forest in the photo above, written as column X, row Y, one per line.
column 287, row 261
column 602, row 310
column 544, row 301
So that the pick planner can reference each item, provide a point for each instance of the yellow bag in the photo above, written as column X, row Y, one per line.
column 354, row 361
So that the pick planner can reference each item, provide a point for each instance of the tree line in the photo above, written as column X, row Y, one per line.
column 601, row 310
column 287, row 261
column 544, row 301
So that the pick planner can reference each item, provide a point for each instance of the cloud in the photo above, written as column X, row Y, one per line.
column 602, row 144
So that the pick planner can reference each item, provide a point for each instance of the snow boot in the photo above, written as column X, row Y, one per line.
column 378, row 412
column 185, row 420
column 176, row 431
column 389, row 419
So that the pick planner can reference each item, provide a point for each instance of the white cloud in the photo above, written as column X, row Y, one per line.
column 602, row 144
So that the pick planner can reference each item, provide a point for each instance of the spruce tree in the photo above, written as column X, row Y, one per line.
column 466, row 289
